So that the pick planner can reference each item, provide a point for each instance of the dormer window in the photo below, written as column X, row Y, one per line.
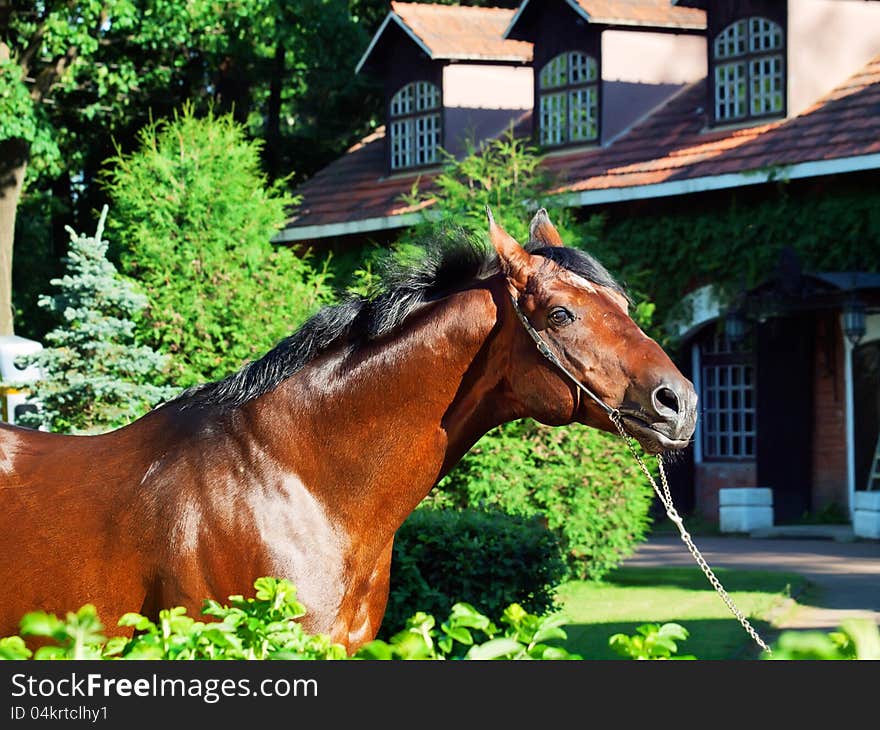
column 414, row 117
column 749, row 72
column 569, row 99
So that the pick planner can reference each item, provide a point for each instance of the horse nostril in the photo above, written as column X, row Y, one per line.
column 665, row 400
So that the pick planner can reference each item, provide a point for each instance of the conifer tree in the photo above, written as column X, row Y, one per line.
column 96, row 376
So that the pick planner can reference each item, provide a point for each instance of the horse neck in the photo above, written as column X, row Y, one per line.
column 371, row 431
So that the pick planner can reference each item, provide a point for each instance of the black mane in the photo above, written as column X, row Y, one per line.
column 448, row 265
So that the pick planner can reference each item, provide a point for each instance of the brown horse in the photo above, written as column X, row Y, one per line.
column 304, row 463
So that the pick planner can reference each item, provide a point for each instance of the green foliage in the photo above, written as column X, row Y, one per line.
column 651, row 642
column 266, row 627
column 855, row 639
column 263, row 627
column 584, row 483
column 95, row 374
column 36, row 262
column 21, row 119
column 505, row 174
column 738, row 244
column 485, row 558
column 194, row 216
column 469, row 634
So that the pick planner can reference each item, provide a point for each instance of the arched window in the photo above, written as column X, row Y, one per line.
column 415, row 125
column 749, row 70
column 569, row 99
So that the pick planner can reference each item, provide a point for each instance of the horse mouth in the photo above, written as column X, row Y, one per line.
column 650, row 438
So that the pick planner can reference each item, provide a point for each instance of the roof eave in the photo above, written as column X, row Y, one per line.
column 794, row 171
column 586, row 198
column 646, row 24
column 406, row 29
column 515, row 19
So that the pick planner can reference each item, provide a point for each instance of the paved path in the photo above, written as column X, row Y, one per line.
column 845, row 575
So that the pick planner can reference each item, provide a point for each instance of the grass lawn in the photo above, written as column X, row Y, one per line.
column 629, row 597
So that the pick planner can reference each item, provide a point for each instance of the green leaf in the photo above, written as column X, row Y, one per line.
column 502, row 647
column 39, row 623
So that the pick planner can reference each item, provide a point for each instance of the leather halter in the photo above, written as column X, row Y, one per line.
column 545, row 350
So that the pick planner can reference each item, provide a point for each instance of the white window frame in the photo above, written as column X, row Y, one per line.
column 749, row 75
column 414, row 126
column 568, row 99
column 727, row 426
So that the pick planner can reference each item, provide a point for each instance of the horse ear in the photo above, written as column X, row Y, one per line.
column 542, row 230
column 515, row 260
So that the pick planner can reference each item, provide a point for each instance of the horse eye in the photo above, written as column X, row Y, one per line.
column 560, row 316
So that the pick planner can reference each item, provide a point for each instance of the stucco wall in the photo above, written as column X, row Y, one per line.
column 829, row 40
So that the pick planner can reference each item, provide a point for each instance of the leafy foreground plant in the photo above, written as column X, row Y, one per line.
column 266, row 627
column 855, row 639
column 651, row 642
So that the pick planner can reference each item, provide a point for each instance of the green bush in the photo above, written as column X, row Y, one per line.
column 484, row 558
column 194, row 218
column 583, row 482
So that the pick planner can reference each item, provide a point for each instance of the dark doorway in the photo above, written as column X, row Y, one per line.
column 785, row 414
column 866, row 408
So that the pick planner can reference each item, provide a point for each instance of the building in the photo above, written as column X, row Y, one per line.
column 647, row 106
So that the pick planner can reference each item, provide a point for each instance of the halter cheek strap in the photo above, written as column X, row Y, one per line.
column 545, row 350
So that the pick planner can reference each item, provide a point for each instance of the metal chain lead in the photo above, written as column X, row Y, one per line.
column 666, row 498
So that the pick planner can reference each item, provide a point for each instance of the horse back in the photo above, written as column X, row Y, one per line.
column 69, row 521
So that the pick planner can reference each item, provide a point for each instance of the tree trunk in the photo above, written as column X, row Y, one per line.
column 13, row 165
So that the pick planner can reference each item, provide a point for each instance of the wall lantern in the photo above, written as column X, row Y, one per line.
column 854, row 321
column 735, row 325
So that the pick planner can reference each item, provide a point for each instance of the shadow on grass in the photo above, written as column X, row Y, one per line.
column 708, row 639
column 732, row 579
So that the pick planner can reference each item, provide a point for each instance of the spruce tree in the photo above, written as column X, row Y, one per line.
column 96, row 376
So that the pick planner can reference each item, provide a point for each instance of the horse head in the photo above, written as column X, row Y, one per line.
column 592, row 360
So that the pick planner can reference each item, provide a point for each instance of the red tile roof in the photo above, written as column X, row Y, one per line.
column 672, row 144
column 355, row 188
column 462, row 32
column 655, row 13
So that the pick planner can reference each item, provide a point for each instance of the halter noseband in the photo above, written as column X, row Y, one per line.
column 543, row 348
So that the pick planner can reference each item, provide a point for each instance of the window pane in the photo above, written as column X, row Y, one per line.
column 552, row 118
column 427, row 138
column 767, row 84
column 402, row 101
column 764, row 35
column 401, row 144
column 555, row 73
column 582, row 106
column 727, row 423
column 731, row 41
column 427, row 96
column 730, row 90
column 581, row 68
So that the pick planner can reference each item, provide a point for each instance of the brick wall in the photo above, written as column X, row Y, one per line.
column 829, row 421
column 709, row 477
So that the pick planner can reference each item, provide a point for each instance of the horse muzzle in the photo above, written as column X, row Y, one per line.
column 663, row 418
